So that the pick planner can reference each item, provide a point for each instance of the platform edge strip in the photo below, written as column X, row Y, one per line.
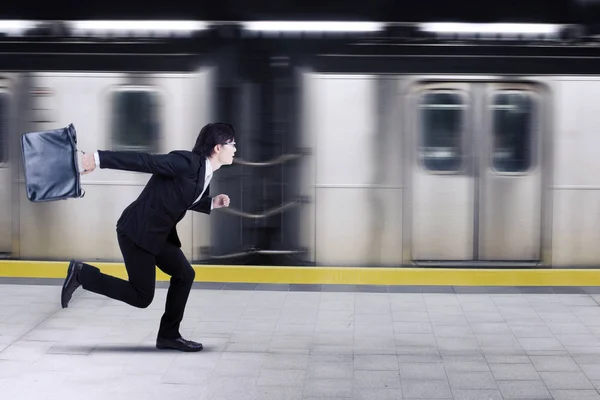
column 332, row 275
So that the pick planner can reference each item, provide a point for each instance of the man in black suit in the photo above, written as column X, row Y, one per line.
column 147, row 232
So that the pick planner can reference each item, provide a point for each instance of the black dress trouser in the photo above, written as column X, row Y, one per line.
column 139, row 290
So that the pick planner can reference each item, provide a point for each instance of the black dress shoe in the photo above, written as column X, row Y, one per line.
column 71, row 283
column 178, row 344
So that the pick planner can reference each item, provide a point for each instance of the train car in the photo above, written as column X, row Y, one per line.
column 444, row 151
column 453, row 155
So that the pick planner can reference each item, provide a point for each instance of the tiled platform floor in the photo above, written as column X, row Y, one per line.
column 291, row 344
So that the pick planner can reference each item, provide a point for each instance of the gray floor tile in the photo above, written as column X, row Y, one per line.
column 247, row 347
column 466, row 366
column 332, row 357
column 506, row 359
column 452, row 331
column 499, row 340
column 554, row 364
column 330, row 370
column 514, row 372
column 568, row 328
column 555, row 317
column 377, row 379
column 326, row 398
column 376, row 362
column 445, row 319
column 343, row 338
column 523, row 389
column 483, row 316
column 466, row 344
column 331, row 349
column 532, row 332
column 540, row 344
column 279, row 377
column 299, row 328
column 431, row 357
column 285, row 361
column 491, row 328
column 282, row 342
column 585, row 339
column 319, row 388
column 412, row 327
column 587, row 350
column 400, row 304
column 471, row 380
column 430, row 389
column 433, row 371
column 186, row 376
column 377, row 394
column 230, row 387
column 249, row 368
column 68, row 349
column 413, row 339
column 368, row 320
column 256, row 324
column 12, row 369
column 575, row 394
column 592, row 371
column 251, row 337
column 374, row 330
column 477, row 394
column 279, row 393
column 566, row 380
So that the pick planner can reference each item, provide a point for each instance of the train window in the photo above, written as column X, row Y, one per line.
column 3, row 127
column 442, row 124
column 135, row 120
column 512, row 131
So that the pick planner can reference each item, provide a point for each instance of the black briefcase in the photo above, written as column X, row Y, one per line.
column 50, row 163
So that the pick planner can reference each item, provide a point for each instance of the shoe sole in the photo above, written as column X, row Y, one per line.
column 162, row 347
column 65, row 303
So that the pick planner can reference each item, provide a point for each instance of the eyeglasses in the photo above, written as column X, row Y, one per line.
column 230, row 143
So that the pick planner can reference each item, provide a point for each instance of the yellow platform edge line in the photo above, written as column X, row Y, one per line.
column 332, row 275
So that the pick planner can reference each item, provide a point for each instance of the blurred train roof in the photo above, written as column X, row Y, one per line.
column 547, row 11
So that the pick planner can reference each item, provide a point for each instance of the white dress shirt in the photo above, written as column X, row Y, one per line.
column 207, row 176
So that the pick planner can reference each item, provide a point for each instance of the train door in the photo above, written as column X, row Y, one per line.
column 5, row 175
column 476, row 175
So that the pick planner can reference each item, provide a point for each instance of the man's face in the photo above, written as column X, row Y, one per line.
column 227, row 152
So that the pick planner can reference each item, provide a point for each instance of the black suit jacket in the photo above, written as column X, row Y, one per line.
column 177, row 181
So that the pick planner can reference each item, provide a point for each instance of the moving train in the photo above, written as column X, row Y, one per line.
column 372, row 148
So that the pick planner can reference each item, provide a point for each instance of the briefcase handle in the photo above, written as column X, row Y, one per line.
column 70, row 129
column 79, row 177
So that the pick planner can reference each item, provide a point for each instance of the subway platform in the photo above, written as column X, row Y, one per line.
column 301, row 342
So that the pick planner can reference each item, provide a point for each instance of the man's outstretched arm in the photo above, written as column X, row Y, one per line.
column 171, row 164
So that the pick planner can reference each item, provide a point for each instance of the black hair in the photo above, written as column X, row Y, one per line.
column 211, row 135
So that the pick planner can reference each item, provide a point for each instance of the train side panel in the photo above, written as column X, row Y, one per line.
column 576, row 186
column 153, row 113
column 357, row 177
